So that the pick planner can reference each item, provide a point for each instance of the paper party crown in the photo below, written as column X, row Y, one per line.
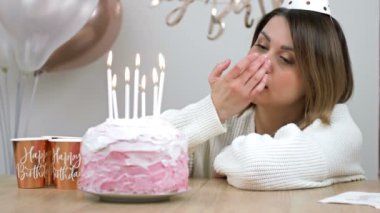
column 321, row 6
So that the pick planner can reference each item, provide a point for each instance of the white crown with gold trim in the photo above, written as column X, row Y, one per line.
column 321, row 6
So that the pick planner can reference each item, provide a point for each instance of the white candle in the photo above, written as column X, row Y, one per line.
column 114, row 98
column 109, row 58
column 109, row 84
column 126, row 104
column 136, row 88
column 155, row 91
column 143, row 85
column 161, row 61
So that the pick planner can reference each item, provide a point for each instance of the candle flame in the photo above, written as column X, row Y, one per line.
column 155, row 75
column 109, row 59
column 154, row 3
column 214, row 11
column 161, row 61
column 114, row 81
column 127, row 74
column 137, row 61
column 143, row 82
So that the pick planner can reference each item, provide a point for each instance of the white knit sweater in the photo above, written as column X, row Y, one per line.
column 317, row 156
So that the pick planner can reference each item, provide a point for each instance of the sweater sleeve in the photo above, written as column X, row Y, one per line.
column 198, row 121
column 289, row 160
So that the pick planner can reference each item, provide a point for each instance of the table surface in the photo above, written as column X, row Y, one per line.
column 205, row 195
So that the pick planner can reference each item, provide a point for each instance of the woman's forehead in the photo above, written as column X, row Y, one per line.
column 277, row 30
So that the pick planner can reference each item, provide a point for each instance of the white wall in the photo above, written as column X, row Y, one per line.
column 69, row 102
column 360, row 21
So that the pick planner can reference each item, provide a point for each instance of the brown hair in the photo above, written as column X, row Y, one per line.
column 322, row 55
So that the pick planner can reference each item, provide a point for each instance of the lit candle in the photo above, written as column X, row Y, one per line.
column 136, row 87
column 155, row 91
column 143, row 85
column 126, row 104
column 109, row 84
column 161, row 62
column 114, row 99
column 109, row 58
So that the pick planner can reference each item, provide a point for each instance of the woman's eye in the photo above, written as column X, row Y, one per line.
column 287, row 61
column 260, row 46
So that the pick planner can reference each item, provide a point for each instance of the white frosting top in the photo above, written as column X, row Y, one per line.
column 150, row 129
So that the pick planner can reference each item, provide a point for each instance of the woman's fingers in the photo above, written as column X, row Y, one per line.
column 258, row 63
column 252, row 69
column 232, row 92
column 241, row 66
column 260, row 87
column 258, row 76
column 218, row 70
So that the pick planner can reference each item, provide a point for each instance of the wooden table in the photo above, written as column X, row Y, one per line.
column 213, row 195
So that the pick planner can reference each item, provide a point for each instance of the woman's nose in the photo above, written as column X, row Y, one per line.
column 268, row 63
column 270, row 66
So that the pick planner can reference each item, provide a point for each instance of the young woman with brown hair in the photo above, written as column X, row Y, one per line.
column 277, row 120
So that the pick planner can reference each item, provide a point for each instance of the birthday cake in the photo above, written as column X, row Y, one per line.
column 134, row 156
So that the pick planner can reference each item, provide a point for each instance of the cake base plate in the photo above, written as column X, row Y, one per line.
column 134, row 198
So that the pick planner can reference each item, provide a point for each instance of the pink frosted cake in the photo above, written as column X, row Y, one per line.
column 141, row 156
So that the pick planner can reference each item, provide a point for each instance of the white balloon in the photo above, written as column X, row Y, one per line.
column 7, row 59
column 38, row 27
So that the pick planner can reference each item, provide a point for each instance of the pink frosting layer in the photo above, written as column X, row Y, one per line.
column 136, row 167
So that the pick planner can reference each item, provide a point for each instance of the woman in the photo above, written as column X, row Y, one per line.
column 277, row 120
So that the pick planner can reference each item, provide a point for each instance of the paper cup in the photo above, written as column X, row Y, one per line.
column 66, row 161
column 31, row 161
